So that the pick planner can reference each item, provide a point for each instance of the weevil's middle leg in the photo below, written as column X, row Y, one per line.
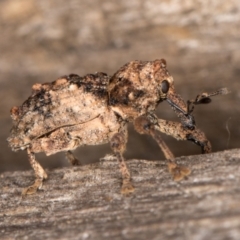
column 39, row 172
column 71, row 158
column 118, row 145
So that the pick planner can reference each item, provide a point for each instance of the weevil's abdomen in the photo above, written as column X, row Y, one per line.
column 65, row 102
column 93, row 132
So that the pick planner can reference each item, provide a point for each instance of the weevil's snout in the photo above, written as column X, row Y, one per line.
column 181, row 109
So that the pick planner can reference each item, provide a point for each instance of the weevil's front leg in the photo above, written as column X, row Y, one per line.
column 177, row 131
column 118, row 145
column 39, row 172
column 150, row 124
column 178, row 172
column 71, row 158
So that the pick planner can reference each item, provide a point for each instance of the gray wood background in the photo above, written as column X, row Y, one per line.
column 43, row 40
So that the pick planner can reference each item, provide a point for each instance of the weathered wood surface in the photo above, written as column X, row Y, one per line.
column 84, row 202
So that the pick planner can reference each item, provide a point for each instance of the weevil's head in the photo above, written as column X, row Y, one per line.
column 167, row 92
column 138, row 86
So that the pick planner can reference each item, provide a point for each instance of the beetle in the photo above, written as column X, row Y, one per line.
column 73, row 111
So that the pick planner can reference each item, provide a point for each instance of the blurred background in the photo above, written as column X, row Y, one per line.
column 42, row 40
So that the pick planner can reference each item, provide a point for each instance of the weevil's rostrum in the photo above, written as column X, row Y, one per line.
column 74, row 111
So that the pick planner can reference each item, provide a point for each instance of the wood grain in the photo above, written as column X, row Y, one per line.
column 85, row 202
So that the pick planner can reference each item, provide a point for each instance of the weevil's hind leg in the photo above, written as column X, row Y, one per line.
column 118, row 145
column 71, row 158
column 39, row 173
column 146, row 125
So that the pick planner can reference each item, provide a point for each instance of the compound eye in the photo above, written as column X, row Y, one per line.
column 165, row 86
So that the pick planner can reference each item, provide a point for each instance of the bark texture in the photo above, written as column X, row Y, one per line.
column 84, row 202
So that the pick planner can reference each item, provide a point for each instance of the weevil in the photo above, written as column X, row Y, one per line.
column 73, row 111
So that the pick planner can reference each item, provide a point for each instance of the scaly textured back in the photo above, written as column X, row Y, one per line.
column 58, row 104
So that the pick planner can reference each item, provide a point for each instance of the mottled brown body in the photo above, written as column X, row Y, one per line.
column 74, row 111
column 64, row 114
